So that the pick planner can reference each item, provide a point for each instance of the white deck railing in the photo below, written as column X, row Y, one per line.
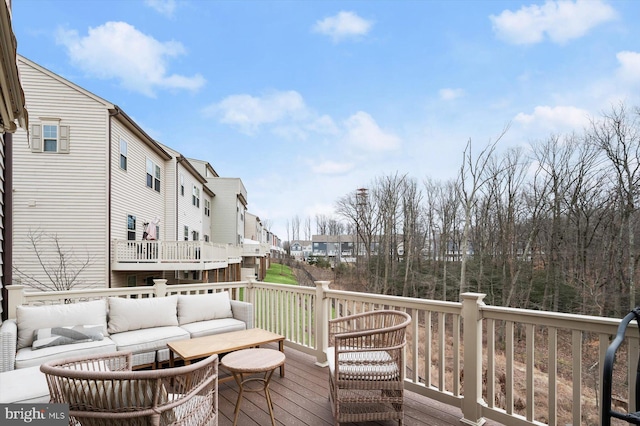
column 484, row 359
column 176, row 252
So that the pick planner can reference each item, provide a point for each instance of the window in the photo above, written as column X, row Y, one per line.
column 50, row 137
column 123, row 154
column 181, row 184
column 131, row 281
column 186, row 233
column 195, row 199
column 206, row 238
column 131, row 228
column 207, row 208
column 153, row 175
column 195, row 235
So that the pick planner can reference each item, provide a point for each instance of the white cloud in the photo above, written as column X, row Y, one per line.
column 451, row 94
column 559, row 118
column 364, row 133
column 331, row 168
column 324, row 125
column 164, row 7
column 117, row 50
column 343, row 25
column 249, row 113
column 560, row 20
column 629, row 66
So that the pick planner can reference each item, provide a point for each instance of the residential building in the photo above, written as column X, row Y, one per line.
column 12, row 115
column 93, row 187
column 232, row 220
column 300, row 249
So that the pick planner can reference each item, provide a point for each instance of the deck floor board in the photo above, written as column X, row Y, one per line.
column 301, row 398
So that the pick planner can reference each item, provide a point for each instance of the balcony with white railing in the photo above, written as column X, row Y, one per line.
column 255, row 249
column 505, row 365
column 172, row 255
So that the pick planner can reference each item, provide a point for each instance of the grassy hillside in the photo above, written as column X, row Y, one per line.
column 280, row 274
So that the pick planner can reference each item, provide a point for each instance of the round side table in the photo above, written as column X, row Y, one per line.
column 250, row 362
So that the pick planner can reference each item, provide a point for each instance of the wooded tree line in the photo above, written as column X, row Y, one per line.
column 551, row 226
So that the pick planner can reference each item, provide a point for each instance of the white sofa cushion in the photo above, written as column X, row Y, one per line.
column 24, row 386
column 205, row 328
column 27, row 357
column 136, row 314
column 202, row 307
column 32, row 318
column 149, row 339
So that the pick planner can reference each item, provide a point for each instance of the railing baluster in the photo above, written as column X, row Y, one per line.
column 491, row 362
column 576, row 348
column 553, row 375
column 509, row 367
column 530, row 362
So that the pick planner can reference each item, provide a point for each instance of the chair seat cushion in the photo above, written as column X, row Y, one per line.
column 367, row 365
column 28, row 357
column 149, row 339
column 217, row 326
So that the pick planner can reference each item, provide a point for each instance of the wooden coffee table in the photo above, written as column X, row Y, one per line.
column 201, row 347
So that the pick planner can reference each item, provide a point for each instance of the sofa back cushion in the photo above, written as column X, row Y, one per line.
column 203, row 307
column 32, row 318
column 136, row 314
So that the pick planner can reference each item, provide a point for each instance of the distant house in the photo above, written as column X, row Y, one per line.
column 129, row 207
column 300, row 249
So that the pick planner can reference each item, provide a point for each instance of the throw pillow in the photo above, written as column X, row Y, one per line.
column 136, row 314
column 55, row 336
column 203, row 307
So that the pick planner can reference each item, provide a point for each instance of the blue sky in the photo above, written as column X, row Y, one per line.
column 306, row 101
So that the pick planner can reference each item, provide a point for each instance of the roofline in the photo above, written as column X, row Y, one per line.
column 11, row 91
column 133, row 126
column 185, row 162
column 66, row 82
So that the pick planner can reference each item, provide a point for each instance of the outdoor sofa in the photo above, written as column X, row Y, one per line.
column 142, row 326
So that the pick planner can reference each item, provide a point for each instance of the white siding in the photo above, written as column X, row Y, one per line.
column 62, row 194
column 227, row 209
column 188, row 214
column 130, row 194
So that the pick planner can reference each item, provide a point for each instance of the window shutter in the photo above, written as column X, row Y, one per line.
column 36, row 138
column 63, row 148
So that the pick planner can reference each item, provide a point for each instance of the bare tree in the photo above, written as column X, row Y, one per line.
column 60, row 265
column 307, row 228
column 295, row 227
column 471, row 178
column 618, row 136
column 322, row 224
column 412, row 234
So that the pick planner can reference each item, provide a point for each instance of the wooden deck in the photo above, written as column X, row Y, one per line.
column 301, row 398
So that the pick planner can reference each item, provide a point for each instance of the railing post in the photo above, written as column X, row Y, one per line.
column 472, row 360
column 322, row 322
column 250, row 290
column 160, row 287
column 15, row 293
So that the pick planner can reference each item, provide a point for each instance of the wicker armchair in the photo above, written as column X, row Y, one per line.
column 103, row 391
column 367, row 366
